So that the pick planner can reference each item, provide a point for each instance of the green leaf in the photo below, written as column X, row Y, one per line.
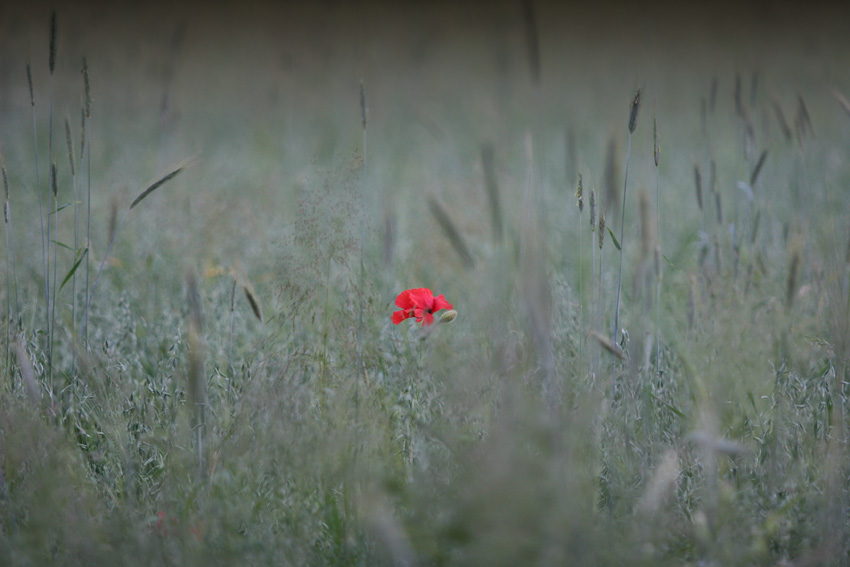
column 74, row 268
column 62, row 244
column 65, row 206
column 616, row 242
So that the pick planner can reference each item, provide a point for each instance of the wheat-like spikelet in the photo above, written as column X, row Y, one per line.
column 448, row 228
column 608, row 344
column 612, row 190
column 492, row 187
column 656, row 147
column 780, row 118
column 87, row 87
column 698, row 182
column 795, row 249
column 155, row 185
column 363, row 110
column 52, row 61
column 592, row 210
column 757, row 169
column 633, row 112
column 601, row 232
column 70, row 145
column 6, row 214
column 580, row 195
column 718, row 207
column 755, row 230
column 251, row 295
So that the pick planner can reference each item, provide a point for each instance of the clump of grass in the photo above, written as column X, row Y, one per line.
column 144, row 194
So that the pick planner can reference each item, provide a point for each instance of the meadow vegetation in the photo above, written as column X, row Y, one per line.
column 209, row 215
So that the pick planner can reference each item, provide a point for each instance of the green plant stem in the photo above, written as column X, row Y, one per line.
column 622, row 233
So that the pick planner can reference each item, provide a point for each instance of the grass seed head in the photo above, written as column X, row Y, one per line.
column 87, row 86
column 252, row 299
column 612, row 186
column 656, row 149
column 601, row 230
column 633, row 113
column 53, row 185
column 757, row 169
column 592, row 210
column 52, row 41
column 29, row 82
column 580, row 195
column 363, row 104
column 70, row 145
column 698, row 181
column 780, row 118
column 5, row 194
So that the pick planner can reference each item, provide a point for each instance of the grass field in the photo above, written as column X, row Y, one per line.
column 251, row 188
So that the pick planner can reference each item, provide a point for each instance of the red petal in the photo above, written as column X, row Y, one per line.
column 441, row 303
column 399, row 316
column 422, row 297
column 403, row 300
column 429, row 319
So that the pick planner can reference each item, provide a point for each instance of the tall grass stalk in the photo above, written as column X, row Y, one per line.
column 54, row 186
column 230, row 339
column 656, row 155
column 196, row 380
column 361, row 371
column 10, row 268
column 50, row 299
column 593, row 296
column 632, row 124
column 600, row 234
column 87, row 138
column 580, row 200
column 45, row 271
column 77, row 253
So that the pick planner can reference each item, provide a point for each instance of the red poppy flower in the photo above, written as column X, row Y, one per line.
column 419, row 303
